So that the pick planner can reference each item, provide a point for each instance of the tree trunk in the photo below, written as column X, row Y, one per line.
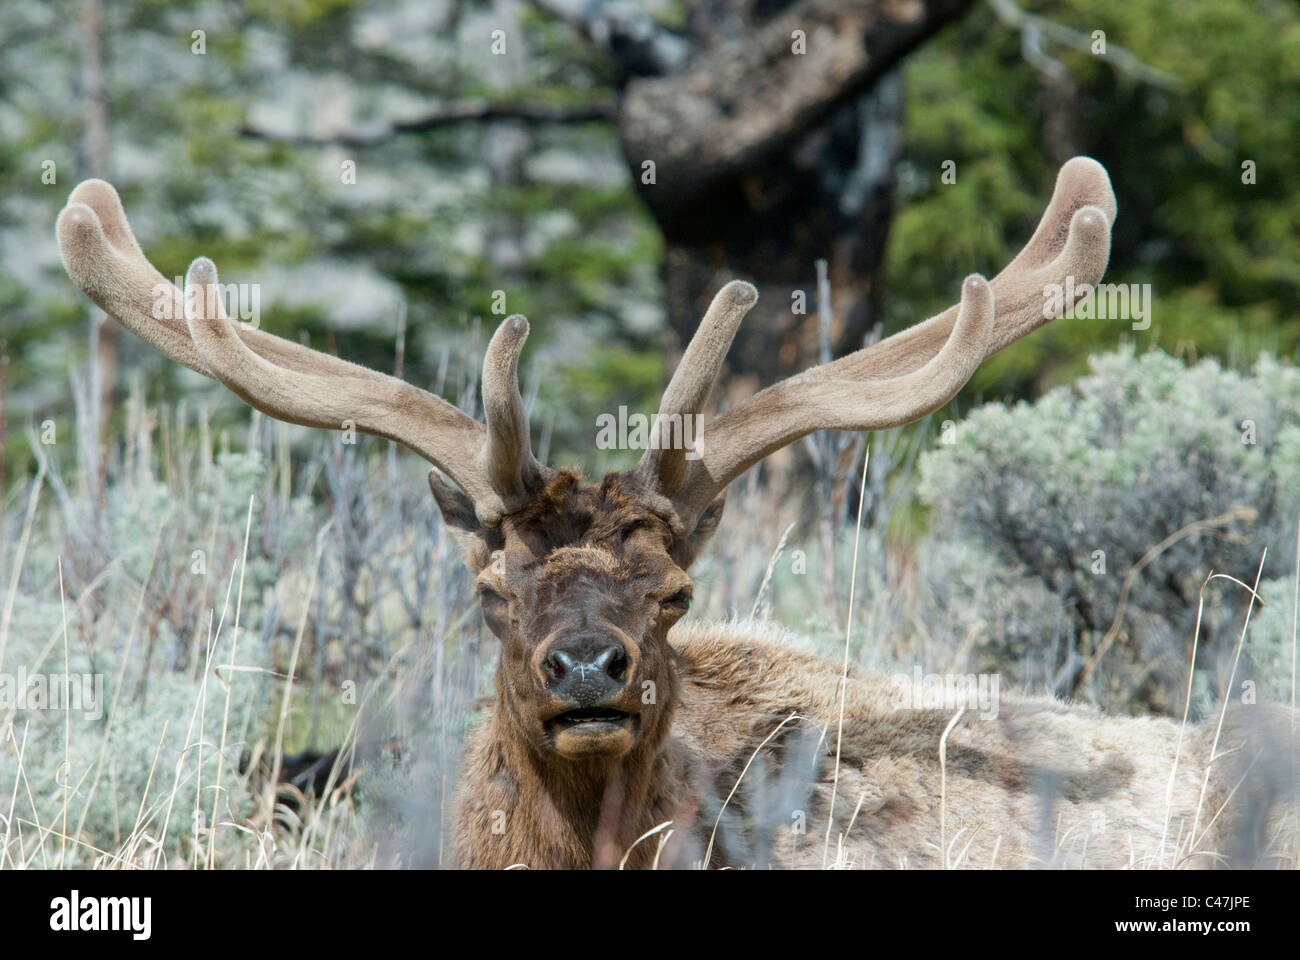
column 763, row 140
column 829, row 196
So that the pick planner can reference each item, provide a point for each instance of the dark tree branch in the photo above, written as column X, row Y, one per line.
column 533, row 115
column 634, row 40
column 746, row 98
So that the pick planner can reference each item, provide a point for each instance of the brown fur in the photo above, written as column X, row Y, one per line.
column 603, row 729
column 1040, row 784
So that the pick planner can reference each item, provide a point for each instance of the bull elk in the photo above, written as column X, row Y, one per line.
column 618, row 736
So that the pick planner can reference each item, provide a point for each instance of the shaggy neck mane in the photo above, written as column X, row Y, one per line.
column 587, row 813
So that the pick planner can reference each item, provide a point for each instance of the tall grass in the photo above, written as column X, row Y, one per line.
column 258, row 596
column 254, row 594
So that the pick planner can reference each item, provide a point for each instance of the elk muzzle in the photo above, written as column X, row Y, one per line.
column 586, row 676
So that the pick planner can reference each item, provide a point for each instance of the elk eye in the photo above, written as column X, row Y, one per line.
column 681, row 600
column 489, row 597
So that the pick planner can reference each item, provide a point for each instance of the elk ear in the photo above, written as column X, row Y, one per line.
column 685, row 549
column 475, row 541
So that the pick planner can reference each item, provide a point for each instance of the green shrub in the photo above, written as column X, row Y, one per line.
column 1040, row 512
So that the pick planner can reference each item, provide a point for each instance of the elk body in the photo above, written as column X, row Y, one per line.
column 611, row 720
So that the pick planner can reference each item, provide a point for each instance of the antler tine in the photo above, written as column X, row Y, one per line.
column 786, row 411
column 1071, row 240
column 663, row 466
column 388, row 408
column 507, row 459
column 914, row 372
column 102, row 257
column 282, row 379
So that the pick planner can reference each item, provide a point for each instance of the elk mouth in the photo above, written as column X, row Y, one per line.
column 591, row 732
column 593, row 718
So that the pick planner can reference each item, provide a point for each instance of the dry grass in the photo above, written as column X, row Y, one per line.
column 332, row 613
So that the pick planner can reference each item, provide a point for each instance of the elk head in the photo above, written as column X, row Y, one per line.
column 582, row 582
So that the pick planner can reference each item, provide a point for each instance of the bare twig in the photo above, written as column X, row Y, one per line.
column 943, row 784
column 771, row 567
column 1034, row 29
column 708, row 851
column 1236, row 513
column 531, row 114
column 844, row 673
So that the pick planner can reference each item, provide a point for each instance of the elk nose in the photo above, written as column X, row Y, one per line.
column 585, row 669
